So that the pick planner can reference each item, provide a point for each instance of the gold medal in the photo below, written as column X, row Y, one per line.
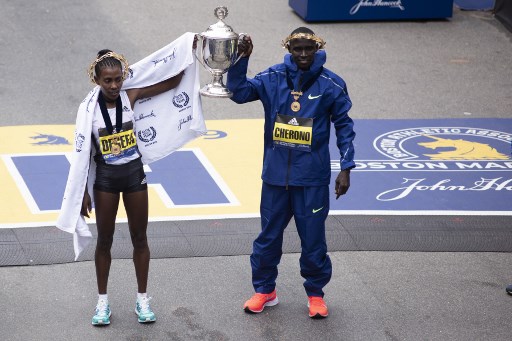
column 116, row 149
column 296, row 105
column 116, row 146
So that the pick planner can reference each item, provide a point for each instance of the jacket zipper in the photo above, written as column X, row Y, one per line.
column 289, row 151
column 289, row 166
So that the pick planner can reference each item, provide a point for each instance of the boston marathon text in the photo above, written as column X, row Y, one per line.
column 427, row 165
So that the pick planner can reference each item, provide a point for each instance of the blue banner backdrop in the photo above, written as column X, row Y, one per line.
column 367, row 10
column 433, row 166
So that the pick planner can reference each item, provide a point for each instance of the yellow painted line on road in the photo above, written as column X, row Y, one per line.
column 236, row 158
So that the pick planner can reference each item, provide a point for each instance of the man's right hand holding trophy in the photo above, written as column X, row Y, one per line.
column 217, row 49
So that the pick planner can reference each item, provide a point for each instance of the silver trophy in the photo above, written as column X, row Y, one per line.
column 217, row 51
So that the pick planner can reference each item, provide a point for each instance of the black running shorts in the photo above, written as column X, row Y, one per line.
column 125, row 178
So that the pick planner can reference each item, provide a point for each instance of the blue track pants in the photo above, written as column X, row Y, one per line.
column 309, row 206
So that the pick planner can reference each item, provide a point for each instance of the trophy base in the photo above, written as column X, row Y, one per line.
column 210, row 90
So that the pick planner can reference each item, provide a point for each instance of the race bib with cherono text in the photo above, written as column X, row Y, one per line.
column 117, row 146
column 293, row 132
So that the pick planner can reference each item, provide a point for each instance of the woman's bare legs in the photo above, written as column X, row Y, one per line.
column 136, row 205
column 106, row 205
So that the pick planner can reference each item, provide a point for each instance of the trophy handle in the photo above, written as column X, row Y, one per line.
column 240, row 37
column 199, row 50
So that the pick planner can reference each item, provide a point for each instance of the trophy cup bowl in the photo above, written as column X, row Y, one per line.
column 216, row 50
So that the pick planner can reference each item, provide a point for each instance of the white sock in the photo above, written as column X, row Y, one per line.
column 141, row 296
column 103, row 297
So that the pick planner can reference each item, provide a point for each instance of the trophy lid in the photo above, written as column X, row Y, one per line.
column 220, row 30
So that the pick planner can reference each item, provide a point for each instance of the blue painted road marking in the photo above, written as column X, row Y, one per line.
column 182, row 176
column 186, row 180
column 45, row 178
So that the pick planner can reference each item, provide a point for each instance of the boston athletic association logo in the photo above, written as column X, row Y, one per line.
column 443, row 159
column 147, row 135
column 444, row 143
column 181, row 100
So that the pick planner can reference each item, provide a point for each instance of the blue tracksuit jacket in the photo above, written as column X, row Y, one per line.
column 326, row 101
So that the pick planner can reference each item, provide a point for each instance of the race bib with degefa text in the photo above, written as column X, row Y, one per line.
column 117, row 145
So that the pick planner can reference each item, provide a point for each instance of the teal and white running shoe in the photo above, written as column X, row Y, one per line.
column 102, row 314
column 143, row 310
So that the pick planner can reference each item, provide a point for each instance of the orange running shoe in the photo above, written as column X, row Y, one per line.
column 317, row 307
column 258, row 302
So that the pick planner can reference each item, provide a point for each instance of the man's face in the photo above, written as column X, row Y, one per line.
column 303, row 52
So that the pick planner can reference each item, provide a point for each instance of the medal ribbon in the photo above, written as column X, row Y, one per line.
column 106, row 116
column 306, row 85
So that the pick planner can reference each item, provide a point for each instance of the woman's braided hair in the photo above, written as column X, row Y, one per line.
column 107, row 58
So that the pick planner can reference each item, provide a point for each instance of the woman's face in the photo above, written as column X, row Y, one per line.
column 110, row 80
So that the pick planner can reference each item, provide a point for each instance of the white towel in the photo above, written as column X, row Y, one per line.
column 163, row 124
